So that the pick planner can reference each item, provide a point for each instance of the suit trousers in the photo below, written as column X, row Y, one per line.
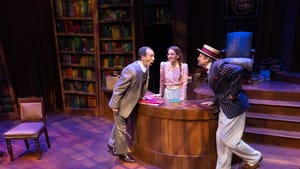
column 117, row 137
column 229, row 140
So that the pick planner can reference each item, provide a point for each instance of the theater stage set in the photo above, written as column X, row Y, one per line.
column 80, row 142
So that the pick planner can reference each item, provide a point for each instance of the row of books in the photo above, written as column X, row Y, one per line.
column 74, row 7
column 78, row 73
column 116, row 46
column 102, row 2
column 6, row 104
column 161, row 14
column 79, row 101
column 76, row 44
column 116, row 31
column 79, row 86
column 114, row 14
column 85, row 27
column 116, row 60
column 78, row 59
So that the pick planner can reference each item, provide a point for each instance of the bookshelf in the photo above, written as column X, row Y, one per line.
column 116, row 37
column 116, row 43
column 94, row 39
column 8, row 107
column 75, row 32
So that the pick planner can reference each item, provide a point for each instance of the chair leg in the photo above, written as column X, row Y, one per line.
column 47, row 138
column 38, row 148
column 9, row 149
column 26, row 143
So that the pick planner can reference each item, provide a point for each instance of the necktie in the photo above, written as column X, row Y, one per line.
column 145, row 76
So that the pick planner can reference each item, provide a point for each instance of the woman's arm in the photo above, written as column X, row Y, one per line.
column 162, row 79
column 184, row 77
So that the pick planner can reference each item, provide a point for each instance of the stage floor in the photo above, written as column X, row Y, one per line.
column 79, row 142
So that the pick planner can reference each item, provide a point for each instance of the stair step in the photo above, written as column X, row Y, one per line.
column 273, row 90
column 272, row 136
column 273, row 123
column 274, row 117
column 275, row 103
column 273, row 132
column 275, row 107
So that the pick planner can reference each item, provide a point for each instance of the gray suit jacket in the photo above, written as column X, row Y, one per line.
column 129, row 89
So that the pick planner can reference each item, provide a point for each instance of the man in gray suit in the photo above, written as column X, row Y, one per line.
column 225, row 81
column 131, row 86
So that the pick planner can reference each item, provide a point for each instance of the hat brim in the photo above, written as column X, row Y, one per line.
column 201, row 51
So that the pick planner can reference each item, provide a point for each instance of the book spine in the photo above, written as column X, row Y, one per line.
column 85, row 8
column 90, row 7
column 59, row 8
column 71, row 8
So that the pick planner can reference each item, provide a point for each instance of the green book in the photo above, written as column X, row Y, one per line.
column 110, row 61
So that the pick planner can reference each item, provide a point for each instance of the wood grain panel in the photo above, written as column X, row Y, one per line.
column 176, row 136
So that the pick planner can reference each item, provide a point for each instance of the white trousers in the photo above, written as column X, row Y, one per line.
column 229, row 140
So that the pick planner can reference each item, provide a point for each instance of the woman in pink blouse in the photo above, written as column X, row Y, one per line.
column 173, row 76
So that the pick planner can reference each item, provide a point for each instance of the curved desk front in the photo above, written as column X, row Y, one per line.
column 176, row 136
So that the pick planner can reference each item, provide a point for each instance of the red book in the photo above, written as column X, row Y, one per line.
column 69, row 72
column 151, row 101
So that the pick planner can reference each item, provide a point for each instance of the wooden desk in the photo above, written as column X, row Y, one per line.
column 176, row 136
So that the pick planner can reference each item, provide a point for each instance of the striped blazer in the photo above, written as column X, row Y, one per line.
column 225, row 80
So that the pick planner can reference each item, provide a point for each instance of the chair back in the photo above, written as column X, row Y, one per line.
column 31, row 109
column 238, row 44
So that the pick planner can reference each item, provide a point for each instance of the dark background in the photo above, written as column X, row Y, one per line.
column 28, row 40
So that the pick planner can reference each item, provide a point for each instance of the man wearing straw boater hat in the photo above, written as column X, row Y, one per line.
column 225, row 81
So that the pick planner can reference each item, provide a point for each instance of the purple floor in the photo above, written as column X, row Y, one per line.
column 79, row 142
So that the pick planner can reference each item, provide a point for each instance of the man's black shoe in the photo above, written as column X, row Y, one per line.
column 1, row 156
column 112, row 150
column 127, row 158
column 1, row 153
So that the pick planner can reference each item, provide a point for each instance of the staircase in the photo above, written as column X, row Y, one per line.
column 272, row 124
column 274, row 114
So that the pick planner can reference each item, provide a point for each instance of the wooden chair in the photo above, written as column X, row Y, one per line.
column 33, row 124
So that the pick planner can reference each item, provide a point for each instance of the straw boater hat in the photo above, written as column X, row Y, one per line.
column 210, row 52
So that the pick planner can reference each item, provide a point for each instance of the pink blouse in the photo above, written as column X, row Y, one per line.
column 170, row 78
